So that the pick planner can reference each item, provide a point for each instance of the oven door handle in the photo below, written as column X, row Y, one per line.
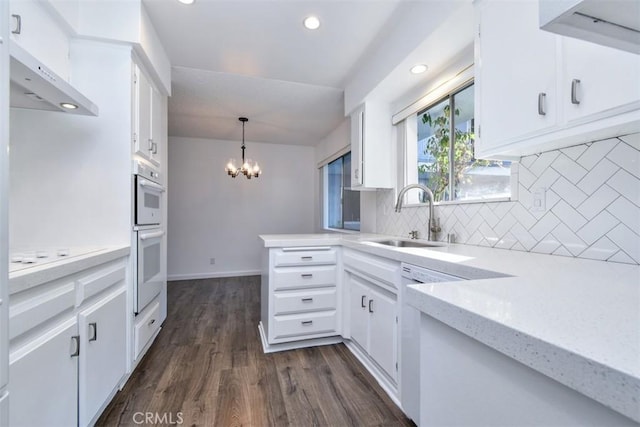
column 150, row 184
column 152, row 235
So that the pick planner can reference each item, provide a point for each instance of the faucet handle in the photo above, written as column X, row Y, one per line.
column 413, row 234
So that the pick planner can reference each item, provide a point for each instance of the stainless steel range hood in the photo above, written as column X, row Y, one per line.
column 35, row 87
column 613, row 23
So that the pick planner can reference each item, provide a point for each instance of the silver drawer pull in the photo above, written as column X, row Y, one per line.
column 93, row 331
column 574, row 91
column 306, row 258
column 18, row 28
column 307, row 322
column 152, row 321
column 75, row 342
column 307, row 299
column 362, row 301
column 542, row 104
column 307, row 276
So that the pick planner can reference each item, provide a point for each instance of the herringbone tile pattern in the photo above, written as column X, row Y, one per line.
column 592, row 195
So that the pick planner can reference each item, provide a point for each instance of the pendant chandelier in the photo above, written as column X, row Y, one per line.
column 248, row 168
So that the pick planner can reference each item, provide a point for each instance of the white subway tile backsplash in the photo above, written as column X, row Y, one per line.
column 627, row 158
column 574, row 152
column 626, row 240
column 633, row 140
column 598, row 201
column 592, row 206
column 568, row 192
column 627, row 185
column 595, row 152
column 568, row 168
column 569, row 215
column 597, row 227
column 626, row 212
column 597, row 176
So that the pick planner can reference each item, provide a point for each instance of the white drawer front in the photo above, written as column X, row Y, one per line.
column 284, row 257
column 304, row 301
column 146, row 328
column 303, row 325
column 303, row 277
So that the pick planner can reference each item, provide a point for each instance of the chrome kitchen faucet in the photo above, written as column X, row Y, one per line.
column 434, row 227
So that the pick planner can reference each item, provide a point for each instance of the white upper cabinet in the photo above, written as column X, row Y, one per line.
column 37, row 32
column 149, row 134
column 514, row 70
column 607, row 80
column 371, row 142
column 538, row 91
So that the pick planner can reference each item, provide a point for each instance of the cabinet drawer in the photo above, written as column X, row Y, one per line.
column 146, row 328
column 304, row 301
column 99, row 279
column 302, row 325
column 303, row 277
column 302, row 256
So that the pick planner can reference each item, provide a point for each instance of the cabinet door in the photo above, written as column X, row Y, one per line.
column 357, row 140
column 383, row 330
column 104, row 349
column 359, row 316
column 44, row 379
column 515, row 63
column 609, row 80
column 37, row 32
column 158, row 132
column 142, row 110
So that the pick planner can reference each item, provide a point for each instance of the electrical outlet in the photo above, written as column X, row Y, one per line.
column 212, row 261
column 538, row 202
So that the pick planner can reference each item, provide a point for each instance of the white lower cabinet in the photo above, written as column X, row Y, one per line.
column 300, row 298
column 373, row 322
column 103, row 334
column 68, row 347
column 4, row 409
column 43, row 379
column 146, row 327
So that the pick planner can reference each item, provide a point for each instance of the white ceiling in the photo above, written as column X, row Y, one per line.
column 254, row 58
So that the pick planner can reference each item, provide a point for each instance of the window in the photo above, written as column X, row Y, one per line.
column 341, row 204
column 442, row 135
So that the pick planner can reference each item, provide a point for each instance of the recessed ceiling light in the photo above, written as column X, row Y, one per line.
column 418, row 69
column 68, row 105
column 186, row 1
column 311, row 22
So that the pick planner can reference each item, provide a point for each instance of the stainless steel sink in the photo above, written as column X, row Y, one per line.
column 409, row 244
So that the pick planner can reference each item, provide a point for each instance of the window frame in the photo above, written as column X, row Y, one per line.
column 325, row 197
column 409, row 126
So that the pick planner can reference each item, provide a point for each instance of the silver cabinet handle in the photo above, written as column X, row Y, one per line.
column 75, row 342
column 153, row 147
column 151, row 322
column 306, row 258
column 575, row 83
column 93, row 331
column 307, row 322
column 362, row 301
column 356, row 173
column 307, row 299
column 307, row 276
column 542, row 97
column 18, row 27
column 370, row 306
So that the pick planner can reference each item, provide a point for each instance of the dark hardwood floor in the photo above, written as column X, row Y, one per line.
column 207, row 368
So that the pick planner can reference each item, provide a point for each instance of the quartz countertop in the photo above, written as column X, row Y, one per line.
column 38, row 274
column 574, row 320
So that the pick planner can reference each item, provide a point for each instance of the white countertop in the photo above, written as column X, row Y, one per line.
column 38, row 274
column 574, row 320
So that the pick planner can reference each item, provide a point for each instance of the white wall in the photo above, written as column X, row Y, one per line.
column 212, row 215
column 70, row 176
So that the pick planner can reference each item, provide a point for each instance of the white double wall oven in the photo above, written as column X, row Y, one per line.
column 148, row 231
